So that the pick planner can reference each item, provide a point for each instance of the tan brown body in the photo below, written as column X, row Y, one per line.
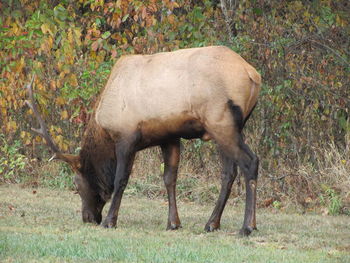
column 160, row 93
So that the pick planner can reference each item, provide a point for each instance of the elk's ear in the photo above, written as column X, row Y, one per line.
column 72, row 160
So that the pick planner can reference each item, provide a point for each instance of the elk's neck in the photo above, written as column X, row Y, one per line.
column 98, row 159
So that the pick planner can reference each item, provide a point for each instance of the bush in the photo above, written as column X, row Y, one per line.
column 13, row 164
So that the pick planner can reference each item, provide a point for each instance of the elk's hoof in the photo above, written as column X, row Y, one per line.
column 211, row 227
column 245, row 231
column 108, row 223
column 173, row 226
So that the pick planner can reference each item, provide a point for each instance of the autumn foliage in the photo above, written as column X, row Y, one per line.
column 301, row 48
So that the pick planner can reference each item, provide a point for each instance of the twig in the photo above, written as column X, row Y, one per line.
column 332, row 50
column 228, row 18
column 276, row 178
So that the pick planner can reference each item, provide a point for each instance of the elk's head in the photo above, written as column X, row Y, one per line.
column 92, row 203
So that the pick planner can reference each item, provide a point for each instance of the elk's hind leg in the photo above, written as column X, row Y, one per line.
column 171, row 155
column 248, row 162
column 227, row 132
column 249, row 166
column 228, row 175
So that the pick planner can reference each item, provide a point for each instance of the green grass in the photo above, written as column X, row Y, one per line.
column 46, row 226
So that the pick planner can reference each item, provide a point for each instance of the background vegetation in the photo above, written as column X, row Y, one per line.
column 300, row 128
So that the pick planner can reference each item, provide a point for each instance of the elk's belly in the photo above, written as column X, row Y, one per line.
column 156, row 131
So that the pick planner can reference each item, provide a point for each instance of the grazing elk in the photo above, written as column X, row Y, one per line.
column 149, row 100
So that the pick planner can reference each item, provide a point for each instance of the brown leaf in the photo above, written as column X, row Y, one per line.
column 114, row 53
column 266, row 202
column 95, row 45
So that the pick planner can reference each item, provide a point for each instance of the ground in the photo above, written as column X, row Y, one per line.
column 44, row 225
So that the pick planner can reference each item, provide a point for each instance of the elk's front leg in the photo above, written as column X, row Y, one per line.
column 171, row 155
column 125, row 157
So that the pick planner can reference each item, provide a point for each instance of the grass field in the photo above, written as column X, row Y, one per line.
column 44, row 225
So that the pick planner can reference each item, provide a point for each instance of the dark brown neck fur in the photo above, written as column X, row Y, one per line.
column 98, row 159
